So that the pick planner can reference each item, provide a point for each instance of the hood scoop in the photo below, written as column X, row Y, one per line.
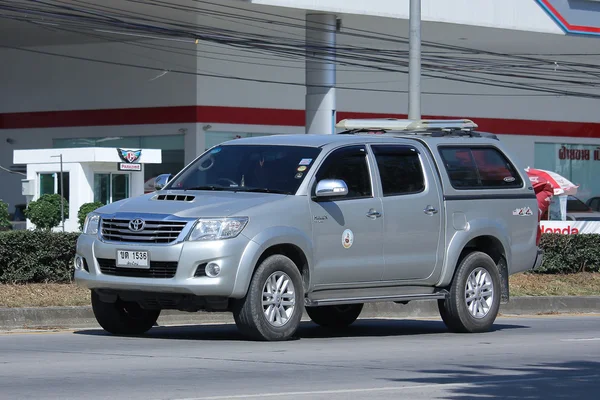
column 174, row 197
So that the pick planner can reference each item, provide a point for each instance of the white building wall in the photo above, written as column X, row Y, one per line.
column 42, row 138
column 32, row 82
column 38, row 82
column 506, row 14
column 81, row 177
column 64, row 84
column 81, row 164
column 77, row 195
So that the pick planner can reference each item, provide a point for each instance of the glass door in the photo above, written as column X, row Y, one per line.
column 102, row 188
column 109, row 188
column 119, row 187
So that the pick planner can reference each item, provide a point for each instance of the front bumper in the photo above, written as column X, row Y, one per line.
column 186, row 257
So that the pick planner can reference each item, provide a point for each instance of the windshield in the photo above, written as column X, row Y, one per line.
column 257, row 168
column 576, row 205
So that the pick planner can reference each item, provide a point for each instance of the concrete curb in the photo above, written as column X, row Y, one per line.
column 83, row 317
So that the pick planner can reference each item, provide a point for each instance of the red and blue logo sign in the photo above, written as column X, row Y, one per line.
column 580, row 18
column 129, row 156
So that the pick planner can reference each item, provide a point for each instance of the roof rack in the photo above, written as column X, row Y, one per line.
column 413, row 125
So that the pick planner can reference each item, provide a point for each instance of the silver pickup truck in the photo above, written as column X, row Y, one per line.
column 270, row 227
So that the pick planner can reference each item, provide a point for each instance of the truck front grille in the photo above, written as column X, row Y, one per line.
column 118, row 230
column 157, row 270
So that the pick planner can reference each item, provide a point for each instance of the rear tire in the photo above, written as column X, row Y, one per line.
column 123, row 318
column 273, row 307
column 335, row 316
column 474, row 300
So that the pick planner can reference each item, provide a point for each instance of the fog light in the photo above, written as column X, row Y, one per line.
column 213, row 269
column 78, row 263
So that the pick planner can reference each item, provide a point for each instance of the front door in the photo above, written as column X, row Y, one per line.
column 348, row 230
column 412, row 231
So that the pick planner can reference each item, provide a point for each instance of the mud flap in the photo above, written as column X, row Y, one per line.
column 505, row 291
column 539, row 258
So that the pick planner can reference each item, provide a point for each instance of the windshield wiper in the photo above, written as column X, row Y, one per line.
column 209, row 187
column 262, row 190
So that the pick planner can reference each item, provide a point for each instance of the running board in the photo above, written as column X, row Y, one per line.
column 313, row 302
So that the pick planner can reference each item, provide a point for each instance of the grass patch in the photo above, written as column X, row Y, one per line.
column 580, row 284
column 54, row 294
column 43, row 295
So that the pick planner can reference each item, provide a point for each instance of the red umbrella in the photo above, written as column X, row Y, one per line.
column 560, row 185
column 543, row 192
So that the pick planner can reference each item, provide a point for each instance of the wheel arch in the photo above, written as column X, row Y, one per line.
column 489, row 242
column 294, row 253
column 492, row 247
column 286, row 241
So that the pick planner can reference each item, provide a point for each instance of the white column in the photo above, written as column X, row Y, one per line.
column 320, row 73
column 194, row 142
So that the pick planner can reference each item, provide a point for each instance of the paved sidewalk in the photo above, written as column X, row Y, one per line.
column 83, row 317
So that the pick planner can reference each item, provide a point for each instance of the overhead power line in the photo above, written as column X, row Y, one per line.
column 529, row 75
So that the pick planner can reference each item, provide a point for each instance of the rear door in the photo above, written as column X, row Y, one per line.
column 412, row 205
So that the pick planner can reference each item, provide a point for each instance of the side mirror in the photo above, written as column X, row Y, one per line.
column 161, row 181
column 331, row 188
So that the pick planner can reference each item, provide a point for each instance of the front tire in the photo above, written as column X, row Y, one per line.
column 474, row 300
column 335, row 316
column 272, row 309
column 123, row 318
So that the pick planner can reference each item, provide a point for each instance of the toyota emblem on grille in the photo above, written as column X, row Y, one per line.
column 136, row 225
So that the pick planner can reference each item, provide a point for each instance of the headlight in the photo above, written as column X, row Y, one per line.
column 216, row 229
column 90, row 227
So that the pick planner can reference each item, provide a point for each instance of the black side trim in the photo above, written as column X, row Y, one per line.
column 516, row 196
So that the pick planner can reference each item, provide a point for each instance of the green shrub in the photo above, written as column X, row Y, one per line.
column 47, row 257
column 45, row 211
column 37, row 256
column 85, row 209
column 570, row 253
column 4, row 217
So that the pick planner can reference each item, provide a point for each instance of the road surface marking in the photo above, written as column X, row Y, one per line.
column 379, row 389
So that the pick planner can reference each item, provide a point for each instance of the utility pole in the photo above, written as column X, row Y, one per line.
column 414, row 60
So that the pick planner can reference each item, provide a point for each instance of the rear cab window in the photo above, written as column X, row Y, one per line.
column 479, row 167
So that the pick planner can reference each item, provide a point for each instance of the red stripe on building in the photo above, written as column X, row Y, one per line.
column 264, row 116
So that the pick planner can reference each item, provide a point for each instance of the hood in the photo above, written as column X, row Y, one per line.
column 585, row 215
column 204, row 204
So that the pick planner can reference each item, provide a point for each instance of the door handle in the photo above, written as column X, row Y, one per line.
column 373, row 214
column 430, row 210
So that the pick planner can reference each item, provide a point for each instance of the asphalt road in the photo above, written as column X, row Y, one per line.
column 545, row 357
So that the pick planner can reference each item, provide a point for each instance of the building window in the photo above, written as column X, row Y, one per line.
column 109, row 188
column 577, row 162
column 50, row 183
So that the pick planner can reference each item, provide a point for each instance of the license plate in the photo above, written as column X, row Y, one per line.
column 132, row 259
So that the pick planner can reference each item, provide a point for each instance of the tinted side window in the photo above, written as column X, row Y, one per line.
column 350, row 165
column 400, row 170
column 479, row 168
